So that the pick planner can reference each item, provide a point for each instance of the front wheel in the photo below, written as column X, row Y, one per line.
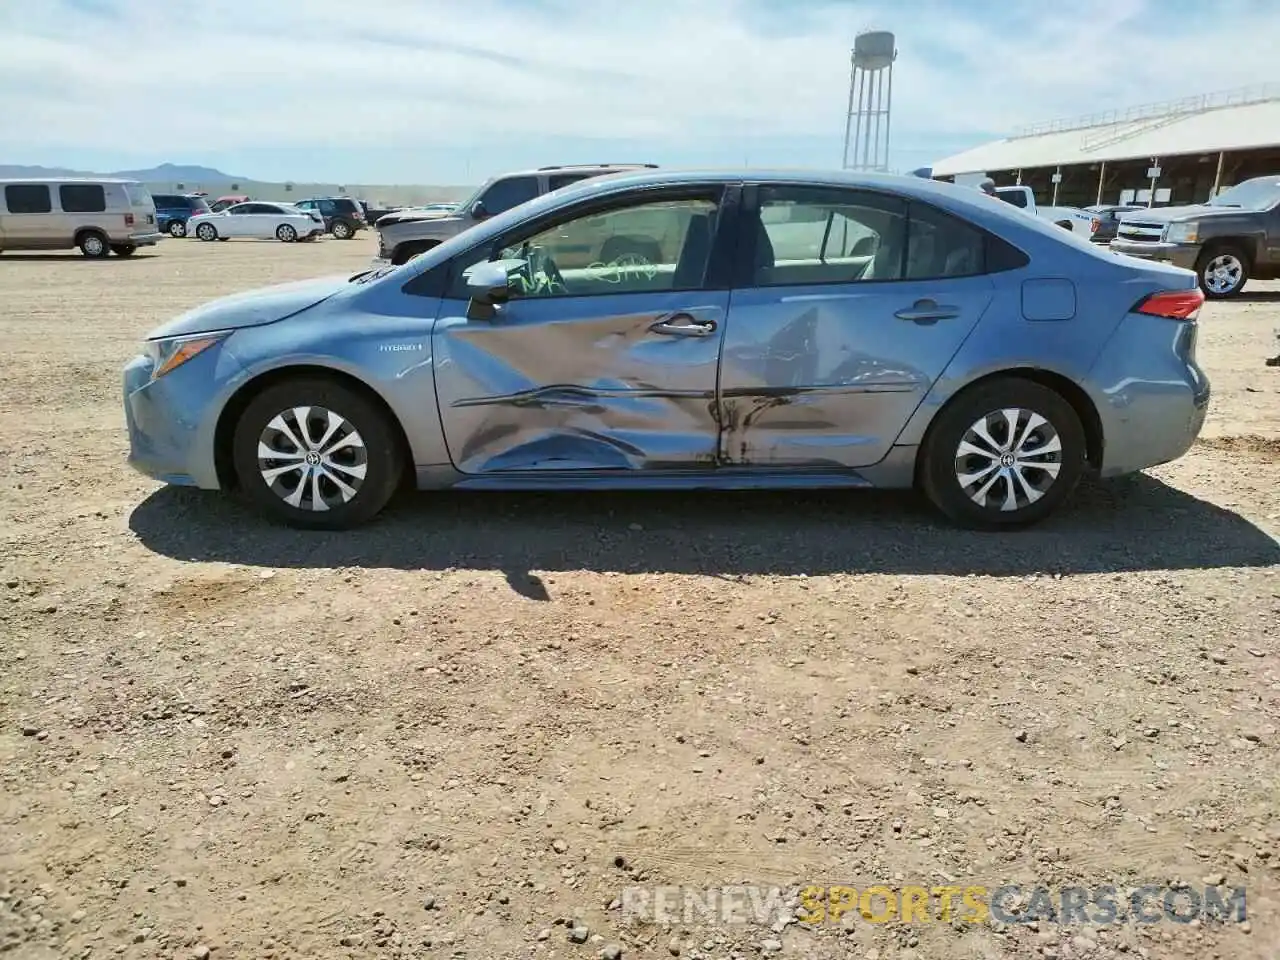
column 286, row 234
column 1002, row 455
column 316, row 454
column 207, row 232
column 1223, row 272
column 177, row 228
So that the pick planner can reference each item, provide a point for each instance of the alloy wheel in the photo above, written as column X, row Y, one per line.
column 1223, row 273
column 1008, row 459
column 312, row 458
column 177, row 229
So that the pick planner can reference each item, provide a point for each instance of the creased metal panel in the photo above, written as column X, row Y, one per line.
column 579, row 383
column 828, row 376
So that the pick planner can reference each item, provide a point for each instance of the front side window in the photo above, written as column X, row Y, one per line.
column 82, row 198
column 810, row 235
column 28, row 198
column 564, row 179
column 661, row 245
column 508, row 193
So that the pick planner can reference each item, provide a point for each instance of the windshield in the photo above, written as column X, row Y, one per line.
column 1260, row 194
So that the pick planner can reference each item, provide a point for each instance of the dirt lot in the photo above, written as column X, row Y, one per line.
column 463, row 731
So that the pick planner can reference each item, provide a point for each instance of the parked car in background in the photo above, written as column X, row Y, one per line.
column 100, row 216
column 229, row 200
column 1233, row 237
column 404, row 235
column 173, row 210
column 373, row 213
column 1070, row 218
column 1108, row 217
column 343, row 216
column 788, row 329
column 257, row 220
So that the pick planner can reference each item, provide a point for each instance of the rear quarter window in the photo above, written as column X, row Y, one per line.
column 82, row 198
column 28, row 198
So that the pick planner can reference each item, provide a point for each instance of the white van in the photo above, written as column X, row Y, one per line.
column 97, row 215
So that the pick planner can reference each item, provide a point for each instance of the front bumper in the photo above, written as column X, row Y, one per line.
column 169, row 420
column 1179, row 254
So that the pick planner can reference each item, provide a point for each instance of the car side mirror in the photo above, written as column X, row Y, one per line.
column 488, row 286
column 478, row 210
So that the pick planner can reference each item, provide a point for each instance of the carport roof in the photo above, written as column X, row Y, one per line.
column 1234, row 120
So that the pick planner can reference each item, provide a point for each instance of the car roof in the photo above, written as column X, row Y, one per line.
column 67, row 180
column 603, row 168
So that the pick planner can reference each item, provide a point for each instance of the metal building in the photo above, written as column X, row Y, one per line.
column 1176, row 152
column 866, row 131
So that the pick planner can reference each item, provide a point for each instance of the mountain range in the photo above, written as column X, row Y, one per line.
column 176, row 172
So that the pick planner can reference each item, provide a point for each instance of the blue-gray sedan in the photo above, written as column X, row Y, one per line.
column 680, row 330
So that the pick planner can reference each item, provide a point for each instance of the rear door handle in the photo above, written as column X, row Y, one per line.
column 927, row 311
column 683, row 325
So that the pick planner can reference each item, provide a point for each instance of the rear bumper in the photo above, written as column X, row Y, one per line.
column 1151, row 395
column 1178, row 254
column 149, row 239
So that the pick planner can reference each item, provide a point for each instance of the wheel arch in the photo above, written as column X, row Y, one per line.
column 419, row 246
column 1248, row 245
column 83, row 232
column 1065, row 387
column 224, row 430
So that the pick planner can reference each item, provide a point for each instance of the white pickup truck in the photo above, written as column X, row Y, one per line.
column 1073, row 219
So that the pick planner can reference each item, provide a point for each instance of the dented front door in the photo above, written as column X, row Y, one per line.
column 613, row 370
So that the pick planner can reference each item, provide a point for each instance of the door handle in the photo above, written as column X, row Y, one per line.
column 927, row 311
column 683, row 325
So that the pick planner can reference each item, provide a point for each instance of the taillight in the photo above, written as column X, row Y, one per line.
column 360, row 216
column 1094, row 224
column 128, row 219
column 1173, row 304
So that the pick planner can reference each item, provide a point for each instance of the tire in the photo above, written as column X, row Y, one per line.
column 1222, row 271
column 285, row 233
column 942, row 466
column 342, row 230
column 124, row 249
column 207, row 232
column 380, row 455
column 177, row 228
column 93, row 245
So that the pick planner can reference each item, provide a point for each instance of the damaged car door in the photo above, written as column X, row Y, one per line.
column 603, row 356
column 847, row 307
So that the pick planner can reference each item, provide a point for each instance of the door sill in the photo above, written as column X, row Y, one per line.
column 720, row 478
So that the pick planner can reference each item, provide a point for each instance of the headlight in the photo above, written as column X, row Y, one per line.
column 169, row 354
column 1182, row 233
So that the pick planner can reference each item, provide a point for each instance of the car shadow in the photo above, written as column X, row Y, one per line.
column 1134, row 523
column 1257, row 296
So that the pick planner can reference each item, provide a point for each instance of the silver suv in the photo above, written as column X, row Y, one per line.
column 405, row 234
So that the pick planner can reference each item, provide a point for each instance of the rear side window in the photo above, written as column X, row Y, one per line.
column 940, row 245
column 165, row 201
column 82, row 198
column 27, row 198
column 564, row 179
column 508, row 193
column 199, row 205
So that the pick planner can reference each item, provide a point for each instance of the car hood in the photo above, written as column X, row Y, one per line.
column 403, row 216
column 253, row 308
column 1197, row 211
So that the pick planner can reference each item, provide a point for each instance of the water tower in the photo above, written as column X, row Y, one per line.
column 866, row 131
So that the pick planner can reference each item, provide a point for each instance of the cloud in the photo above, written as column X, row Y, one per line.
column 248, row 77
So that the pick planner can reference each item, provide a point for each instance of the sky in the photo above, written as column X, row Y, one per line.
column 453, row 91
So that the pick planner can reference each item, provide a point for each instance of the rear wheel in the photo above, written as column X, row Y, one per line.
column 1223, row 272
column 1002, row 455
column 286, row 234
column 207, row 232
column 93, row 244
column 124, row 249
column 177, row 228
column 316, row 454
column 342, row 230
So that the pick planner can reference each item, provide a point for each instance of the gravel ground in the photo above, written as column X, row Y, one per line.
column 468, row 729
